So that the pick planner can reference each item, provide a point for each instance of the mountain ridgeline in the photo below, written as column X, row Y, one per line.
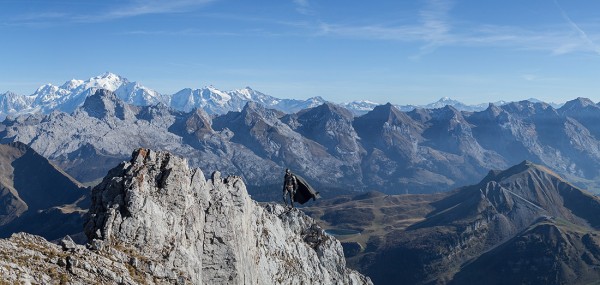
column 424, row 150
column 522, row 225
column 70, row 95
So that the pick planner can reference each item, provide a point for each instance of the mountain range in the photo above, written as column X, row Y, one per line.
column 522, row 225
column 72, row 94
column 424, row 150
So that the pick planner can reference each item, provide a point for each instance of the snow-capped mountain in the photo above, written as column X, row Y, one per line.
column 73, row 93
column 447, row 101
column 215, row 101
column 360, row 107
column 70, row 95
column 12, row 104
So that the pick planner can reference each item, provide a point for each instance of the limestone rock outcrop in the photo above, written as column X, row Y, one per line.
column 155, row 220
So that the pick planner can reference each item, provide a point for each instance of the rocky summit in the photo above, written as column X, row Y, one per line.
column 154, row 220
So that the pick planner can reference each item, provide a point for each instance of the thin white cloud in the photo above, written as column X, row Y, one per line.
column 185, row 32
column 303, row 7
column 582, row 34
column 126, row 9
column 42, row 19
column 140, row 8
column 435, row 29
column 39, row 16
column 435, row 20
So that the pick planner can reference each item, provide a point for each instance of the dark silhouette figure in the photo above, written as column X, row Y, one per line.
column 290, row 185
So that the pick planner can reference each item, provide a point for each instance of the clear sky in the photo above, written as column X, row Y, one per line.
column 404, row 52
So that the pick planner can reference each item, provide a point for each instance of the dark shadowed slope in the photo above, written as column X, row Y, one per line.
column 550, row 251
column 441, row 233
column 36, row 196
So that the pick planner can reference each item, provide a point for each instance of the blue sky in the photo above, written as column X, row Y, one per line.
column 404, row 52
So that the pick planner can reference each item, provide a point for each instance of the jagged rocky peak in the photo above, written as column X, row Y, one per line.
column 198, row 122
column 446, row 113
column 492, row 111
column 179, row 226
column 580, row 108
column 105, row 104
column 327, row 117
column 254, row 112
column 579, row 102
column 486, row 119
column 524, row 169
column 328, row 110
column 528, row 108
column 382, row 114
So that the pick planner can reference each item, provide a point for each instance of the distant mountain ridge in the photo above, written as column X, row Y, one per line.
column 72, row 94
column 424, row 150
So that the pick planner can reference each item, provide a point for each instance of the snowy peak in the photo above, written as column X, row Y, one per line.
column 108, row 80
column 360, row 107
column 72, row 84
column 444, row 101
column 11, row 103
column 215, row 101
column 447, row 101
column 73, row 93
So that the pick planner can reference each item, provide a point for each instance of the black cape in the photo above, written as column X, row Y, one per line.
column 305, row 192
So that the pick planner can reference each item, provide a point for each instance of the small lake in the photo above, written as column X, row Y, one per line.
column 342, row 232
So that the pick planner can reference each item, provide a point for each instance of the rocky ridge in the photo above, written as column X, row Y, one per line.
column 154, row 220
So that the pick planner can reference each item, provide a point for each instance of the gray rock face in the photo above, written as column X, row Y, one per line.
column 209, row 230
column 154, row 220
